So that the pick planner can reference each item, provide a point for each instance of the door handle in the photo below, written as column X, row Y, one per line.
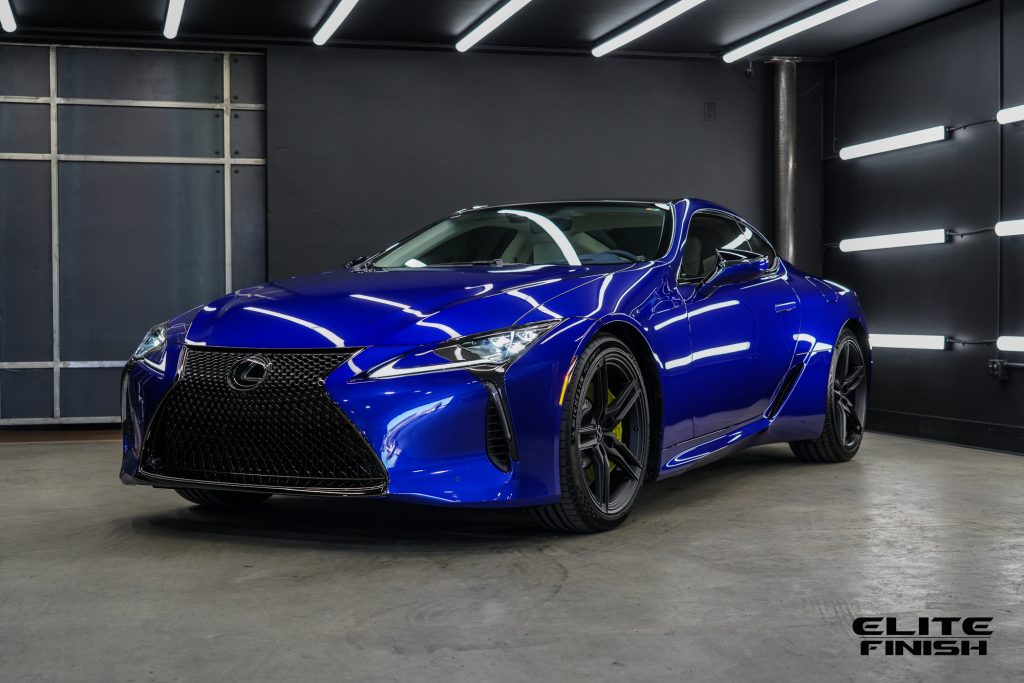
column 785, row 306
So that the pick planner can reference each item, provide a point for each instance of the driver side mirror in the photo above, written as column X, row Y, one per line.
column 737, row 267
column 356, row 261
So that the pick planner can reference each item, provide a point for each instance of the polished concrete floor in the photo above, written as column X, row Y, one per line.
column 750, row 569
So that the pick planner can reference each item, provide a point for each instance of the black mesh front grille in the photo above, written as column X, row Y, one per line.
column 285, row 432
column 497, row 444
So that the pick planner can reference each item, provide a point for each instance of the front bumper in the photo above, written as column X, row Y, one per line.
column 429, row 430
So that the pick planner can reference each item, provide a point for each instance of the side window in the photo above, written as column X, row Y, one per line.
column 758, row 244
column 709, row 232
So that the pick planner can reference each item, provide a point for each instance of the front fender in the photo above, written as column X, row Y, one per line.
column 535, row 386
column 143, row 387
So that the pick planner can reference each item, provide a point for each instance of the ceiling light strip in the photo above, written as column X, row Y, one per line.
column 901, row 239
column 7, row 16
column 333, row 21
column 928, row 342
column 796, row 27
column 646, row 26
column 1005, row 116
column 917, row 137
column 173, row 20
column 491, row 22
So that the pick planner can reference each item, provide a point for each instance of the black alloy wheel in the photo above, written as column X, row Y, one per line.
column 605, row 440
column 846, row 409
column 849, row 393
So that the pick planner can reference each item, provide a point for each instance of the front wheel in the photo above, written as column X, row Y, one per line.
column 604, row 441
column 222, row 499
column 846, row 408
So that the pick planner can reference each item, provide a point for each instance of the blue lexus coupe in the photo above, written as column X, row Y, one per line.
column 554, row 356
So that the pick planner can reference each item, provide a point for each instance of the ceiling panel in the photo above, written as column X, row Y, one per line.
column 718, row 24
column 576, row 24
column 272, row 18
column 874, row 21
column 114, row 15
column 435, row 21
column 545, row 24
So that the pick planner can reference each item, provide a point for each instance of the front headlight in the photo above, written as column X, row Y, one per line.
column 152, row 346
column 481, row 352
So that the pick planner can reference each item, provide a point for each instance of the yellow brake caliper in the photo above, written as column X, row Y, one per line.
column 617, row 429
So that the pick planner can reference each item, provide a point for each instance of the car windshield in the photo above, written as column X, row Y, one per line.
column 539, row 234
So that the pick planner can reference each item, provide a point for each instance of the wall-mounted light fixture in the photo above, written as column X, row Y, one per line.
column 796, row 27
column 1011, row 115
column 644, row 27
column 1010, row 228
column 7, row 16
column 171, row 23
column 1010, row 343
column 917, row 137
column 928, row 342
column 901, row 239
column 493, row 21
column 334, row 19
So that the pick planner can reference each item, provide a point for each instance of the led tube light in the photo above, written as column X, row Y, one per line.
column 901, row 239
column 338, row 15
column 1010, row 228
column 644, row 27
column 1010, row 343
column 171, row 23
column 796, row 27
column 1005, row 116
column 928, row 342
column 496, row 19
column 7, row 16
column 918, row 137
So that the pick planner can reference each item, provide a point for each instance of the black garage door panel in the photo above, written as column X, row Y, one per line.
column 137, row 131
column 25, row 274
column 141, row 223
column 139, row 75
column 139, row 243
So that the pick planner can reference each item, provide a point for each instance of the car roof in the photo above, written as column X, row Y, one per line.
column 700, row 203
column 646, row 200
column 573, row 201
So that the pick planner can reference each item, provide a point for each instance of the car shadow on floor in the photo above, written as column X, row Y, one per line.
column 373, row 524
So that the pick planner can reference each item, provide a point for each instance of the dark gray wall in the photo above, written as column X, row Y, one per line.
column 810, row 83
column 946, row 71
column 367, row 145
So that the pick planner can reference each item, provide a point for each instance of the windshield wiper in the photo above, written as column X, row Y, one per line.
column 361, row 263
column 487, row 262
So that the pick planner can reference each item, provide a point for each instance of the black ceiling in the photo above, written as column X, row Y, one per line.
column 543, row 24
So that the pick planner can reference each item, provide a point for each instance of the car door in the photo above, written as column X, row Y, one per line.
column 742, row 334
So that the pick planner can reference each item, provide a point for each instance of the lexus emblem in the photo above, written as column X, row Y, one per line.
column 248, row 373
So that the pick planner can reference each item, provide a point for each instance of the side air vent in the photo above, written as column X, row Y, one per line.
column 497, row 442
column 783, row 393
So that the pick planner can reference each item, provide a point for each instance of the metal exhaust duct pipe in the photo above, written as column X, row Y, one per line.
column 785, row 158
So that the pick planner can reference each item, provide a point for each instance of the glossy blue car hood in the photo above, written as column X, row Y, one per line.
column 381, row 308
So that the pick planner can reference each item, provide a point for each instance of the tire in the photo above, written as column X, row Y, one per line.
column 613, row 439
column 844, row 427
column 222, row 499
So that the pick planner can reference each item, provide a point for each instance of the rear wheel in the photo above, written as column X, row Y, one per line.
column 846, row 408
column 222, row 499
column 604, row 441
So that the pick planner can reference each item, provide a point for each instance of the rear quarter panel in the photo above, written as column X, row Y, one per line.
column 826, row 309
